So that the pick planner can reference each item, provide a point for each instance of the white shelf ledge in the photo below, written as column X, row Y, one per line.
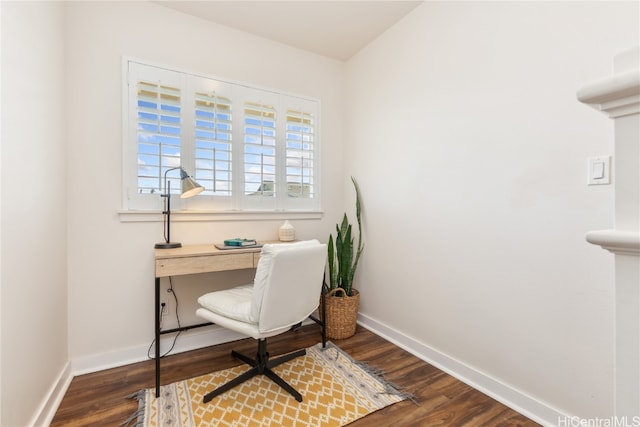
column 618, row 242
column 617, row 96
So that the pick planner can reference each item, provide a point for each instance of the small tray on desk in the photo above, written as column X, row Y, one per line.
column 224, row 247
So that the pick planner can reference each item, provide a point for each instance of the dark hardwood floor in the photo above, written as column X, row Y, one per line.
column 98, row 399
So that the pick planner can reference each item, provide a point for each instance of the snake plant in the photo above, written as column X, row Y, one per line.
column 343, row 256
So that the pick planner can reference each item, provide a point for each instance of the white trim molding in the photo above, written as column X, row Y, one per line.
column 617, row 242
column 194, row 215
column 617, row 96
column 49, row 405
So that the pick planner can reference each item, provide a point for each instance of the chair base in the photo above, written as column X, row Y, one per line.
column 261, row 365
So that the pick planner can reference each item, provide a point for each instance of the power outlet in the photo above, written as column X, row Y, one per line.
column 165, row 309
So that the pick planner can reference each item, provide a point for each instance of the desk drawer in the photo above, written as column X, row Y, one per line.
column 203, row 264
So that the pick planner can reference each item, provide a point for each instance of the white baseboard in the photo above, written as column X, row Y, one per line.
column 47, row 409
column 188, row 340
column 513, row 398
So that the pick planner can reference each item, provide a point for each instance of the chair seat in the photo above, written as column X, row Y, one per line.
column 248, row 329
column 234, row 303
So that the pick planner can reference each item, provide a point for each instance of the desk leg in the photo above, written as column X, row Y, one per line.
column 157, row 329
column 324, row 320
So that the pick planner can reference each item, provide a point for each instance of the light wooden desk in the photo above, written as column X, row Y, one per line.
column 193, row 259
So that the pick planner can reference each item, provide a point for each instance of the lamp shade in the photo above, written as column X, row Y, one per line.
column 189, row 187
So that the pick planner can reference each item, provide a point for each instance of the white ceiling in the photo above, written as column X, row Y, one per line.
column 337, row 29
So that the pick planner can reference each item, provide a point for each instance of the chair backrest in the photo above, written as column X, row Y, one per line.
column 288, row 283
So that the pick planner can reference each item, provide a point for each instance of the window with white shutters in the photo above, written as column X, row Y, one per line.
column 250, row 148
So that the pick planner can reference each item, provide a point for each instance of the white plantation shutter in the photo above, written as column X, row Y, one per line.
column 299, row 141
column 250, row 148
column 259, row 150
column 213, row 143
column 158, row 135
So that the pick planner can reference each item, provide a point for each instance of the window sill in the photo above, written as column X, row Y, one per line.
column 189, row 216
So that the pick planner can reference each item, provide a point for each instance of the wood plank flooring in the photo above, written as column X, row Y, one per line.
column 98, row 399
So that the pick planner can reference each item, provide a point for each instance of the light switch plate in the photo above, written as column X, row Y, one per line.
column 599, row 170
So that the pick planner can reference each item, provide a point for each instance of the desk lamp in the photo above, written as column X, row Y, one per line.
column 189, row 189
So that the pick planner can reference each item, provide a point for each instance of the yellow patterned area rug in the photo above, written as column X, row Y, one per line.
column 336, row 390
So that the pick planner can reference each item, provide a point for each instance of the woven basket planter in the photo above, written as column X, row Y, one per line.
column 342, row 313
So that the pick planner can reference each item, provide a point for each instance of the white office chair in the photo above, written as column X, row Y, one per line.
column 286, row 290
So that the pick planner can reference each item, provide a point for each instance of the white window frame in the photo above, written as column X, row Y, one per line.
column 238, row 202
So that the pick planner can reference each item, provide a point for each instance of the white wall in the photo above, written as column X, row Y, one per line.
column 471, row 149
column 33, row 198
column 111, row 262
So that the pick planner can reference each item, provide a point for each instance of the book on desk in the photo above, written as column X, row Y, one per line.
column 239, row 243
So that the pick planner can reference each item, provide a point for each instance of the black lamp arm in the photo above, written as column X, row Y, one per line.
column 167, row 204
column 189, row 188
